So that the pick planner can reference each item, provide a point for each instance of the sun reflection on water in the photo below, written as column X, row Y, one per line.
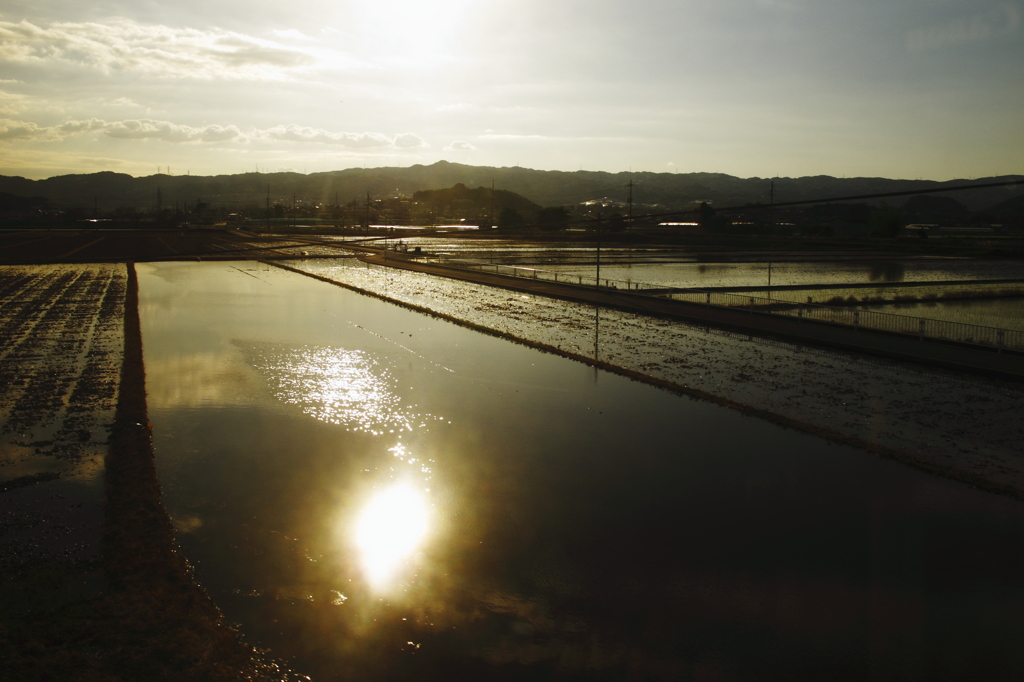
column 335, row 385
column 390, row 529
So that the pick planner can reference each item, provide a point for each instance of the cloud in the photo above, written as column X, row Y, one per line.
column 141, row 129
column 459, row 146
column 148, row 129
column 504, row 137
column 121, row 46
column 409, row 141
column 507, row 136
column 998, row 22
column 22, row 130
column 12, row 103
column 295, row 133
column 292, row 33
column 75, row 127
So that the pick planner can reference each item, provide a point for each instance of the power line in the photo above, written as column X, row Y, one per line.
column 826, row 200
column 882, row 195
column 805, row 202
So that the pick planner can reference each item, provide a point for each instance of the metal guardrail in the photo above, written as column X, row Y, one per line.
column 920, row 327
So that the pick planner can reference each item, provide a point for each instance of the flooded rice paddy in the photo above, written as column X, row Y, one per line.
column 59, row 367
column 963, row 424
column 834, row 273
column 960, row 292
column 378, row 494
column 889, row 291
column 1001, row 313
column 687, row 268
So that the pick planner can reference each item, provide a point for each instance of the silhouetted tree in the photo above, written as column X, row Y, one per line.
column 887, row 221
column 711, row 222
column 705, row 214
column 552, row 218
column 510, row 217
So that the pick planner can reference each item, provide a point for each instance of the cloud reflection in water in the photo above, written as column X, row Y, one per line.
column 334, row 385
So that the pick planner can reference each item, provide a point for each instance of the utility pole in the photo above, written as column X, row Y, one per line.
column 367, row 214
column 630, row 224
column 771, row 206
column 490, row 214
column 268, row 207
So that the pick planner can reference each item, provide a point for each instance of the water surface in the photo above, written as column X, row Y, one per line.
column 377, row 494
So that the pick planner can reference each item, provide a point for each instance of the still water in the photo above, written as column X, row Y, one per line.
column 376, row 494
column 1006, row 313
column 882, row 272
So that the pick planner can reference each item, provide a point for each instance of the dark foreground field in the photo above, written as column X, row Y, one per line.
column 91, row 586
column 118, row 246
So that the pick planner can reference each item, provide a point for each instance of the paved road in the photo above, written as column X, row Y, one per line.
column 1001, row 365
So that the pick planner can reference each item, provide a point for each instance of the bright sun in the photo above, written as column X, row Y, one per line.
column 390, row 529
column 414, row 31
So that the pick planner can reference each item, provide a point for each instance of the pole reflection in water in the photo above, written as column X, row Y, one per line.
column 390, row 530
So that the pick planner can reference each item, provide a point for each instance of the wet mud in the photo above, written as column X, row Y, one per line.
column 59, row 366
column 118, row 246
column 91, row 585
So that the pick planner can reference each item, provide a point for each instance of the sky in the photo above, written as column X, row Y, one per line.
column 930, row 89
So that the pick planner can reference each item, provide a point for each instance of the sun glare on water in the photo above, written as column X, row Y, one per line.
column 390, row 530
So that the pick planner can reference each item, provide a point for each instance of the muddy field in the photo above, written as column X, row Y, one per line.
column 62, row 330
column 112, row 246
column 962, row 426
column 91, row 585
column 60, row 366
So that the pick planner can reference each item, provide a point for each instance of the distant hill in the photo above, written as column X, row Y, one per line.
column 459, row 199
column 1011, row 208
column 651, row 191
column 14, row 202
column 932, row 208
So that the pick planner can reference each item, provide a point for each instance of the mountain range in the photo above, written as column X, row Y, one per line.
column 653, row 191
